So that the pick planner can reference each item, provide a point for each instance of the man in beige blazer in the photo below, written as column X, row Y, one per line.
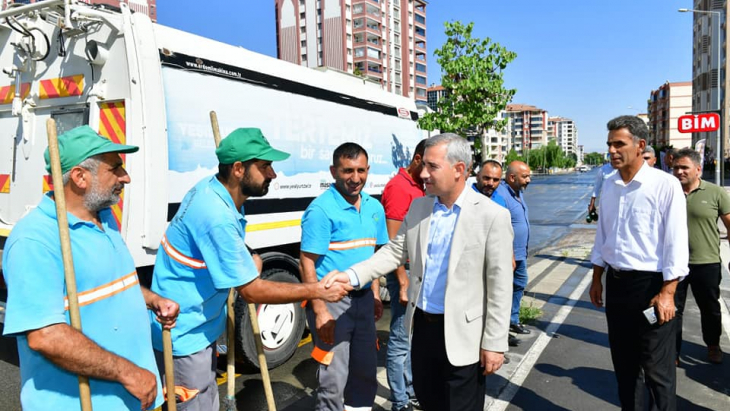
column 459, row 245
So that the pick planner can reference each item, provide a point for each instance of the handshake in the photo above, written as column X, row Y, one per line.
column 334, row 286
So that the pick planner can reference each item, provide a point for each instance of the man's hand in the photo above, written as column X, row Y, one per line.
column 491, row 361
column 142, row 384
column 378, row 309
column 596, row 293
column 335, row 277
column 335, row 292
column 165, row 310
column 664, row 303
column 325, row 325
column 403, row 294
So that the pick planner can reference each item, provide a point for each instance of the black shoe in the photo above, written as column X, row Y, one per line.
column 519, row 329
column 513, row 341
column 506, row 360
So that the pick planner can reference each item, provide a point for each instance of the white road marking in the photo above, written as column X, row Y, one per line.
column 529, row 360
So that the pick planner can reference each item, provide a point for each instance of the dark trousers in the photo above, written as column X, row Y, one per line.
column 636, row 345
column 440, row 386
column 705, row 282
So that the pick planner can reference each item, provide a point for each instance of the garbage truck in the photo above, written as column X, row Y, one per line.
column 141, row 83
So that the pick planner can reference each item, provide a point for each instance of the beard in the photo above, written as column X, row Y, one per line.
column 97, row 199
column 250, row 189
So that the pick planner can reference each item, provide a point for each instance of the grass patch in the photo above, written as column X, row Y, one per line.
column 529, row 314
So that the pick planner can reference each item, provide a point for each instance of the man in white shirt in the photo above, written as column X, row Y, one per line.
column 642, row 244
column 604, row 172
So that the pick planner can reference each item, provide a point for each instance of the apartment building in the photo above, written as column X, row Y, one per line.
column 708, row 84
column 528, row 125
column 666, row 105
column 564, row 132
column 434, row 94
column 148, row 7
column 382, row 40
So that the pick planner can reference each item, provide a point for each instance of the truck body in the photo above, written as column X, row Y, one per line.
column 148, row 85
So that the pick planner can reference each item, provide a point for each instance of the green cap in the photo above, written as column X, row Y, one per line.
column 245, row 144
column 75, row 146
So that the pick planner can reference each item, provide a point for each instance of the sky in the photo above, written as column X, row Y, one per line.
column 588, row 60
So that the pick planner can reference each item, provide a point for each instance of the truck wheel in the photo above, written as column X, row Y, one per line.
column 282, row 326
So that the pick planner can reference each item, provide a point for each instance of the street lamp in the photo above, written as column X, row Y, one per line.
column 719, row 131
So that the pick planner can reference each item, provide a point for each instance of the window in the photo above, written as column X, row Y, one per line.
column 372, row 53
column 420, row 31
column 360, row 52
column 302, row 29
column 420, row 67
column 420, row 19
column 304, row 43
column 420, row 80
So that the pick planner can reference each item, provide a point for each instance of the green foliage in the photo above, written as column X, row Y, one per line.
column 472, row 76
column 595, row 159
column 529, row 314
column 512, row 156
column 550, row 156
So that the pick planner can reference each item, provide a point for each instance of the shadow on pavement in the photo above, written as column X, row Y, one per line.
column 694, row 363
column 594, row 381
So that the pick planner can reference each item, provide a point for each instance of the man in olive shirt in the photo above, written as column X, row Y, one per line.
column 706, row 202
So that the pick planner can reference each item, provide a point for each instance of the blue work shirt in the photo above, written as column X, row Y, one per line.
column 519, row 216
column 340, row 234
column 440, row 232
column 202, row 256
column 495, row 196
column 111, row 304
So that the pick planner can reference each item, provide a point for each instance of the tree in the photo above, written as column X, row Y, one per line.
column 472, row 77
column 512, row 156
column 595, row 159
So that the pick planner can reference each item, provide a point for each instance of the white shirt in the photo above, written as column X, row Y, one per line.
column 642, row 225
column 604, row 172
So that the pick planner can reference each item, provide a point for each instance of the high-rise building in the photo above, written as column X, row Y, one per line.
column 564, row 132
column 666, row 105
column 148, row 7
column 529, row 127
column 434, row 94
column 707, row 82
column 383, row 40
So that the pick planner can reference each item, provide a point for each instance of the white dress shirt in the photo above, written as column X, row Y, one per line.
column 604, row 173
column 642, row 225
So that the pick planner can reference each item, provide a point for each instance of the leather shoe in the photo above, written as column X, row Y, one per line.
column 519, row 329
column 714, row 354
column 513, row 341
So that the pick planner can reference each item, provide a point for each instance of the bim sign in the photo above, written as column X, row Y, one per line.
column 697, row 123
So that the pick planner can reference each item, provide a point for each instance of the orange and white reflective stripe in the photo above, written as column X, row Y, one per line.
column 105, row 291
column 321, row 356
column 348, row 245
column 180, row 257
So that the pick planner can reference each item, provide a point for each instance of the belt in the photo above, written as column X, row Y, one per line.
column 432, row 318
column 621, row 274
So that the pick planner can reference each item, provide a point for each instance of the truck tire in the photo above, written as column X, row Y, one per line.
column 282, row 326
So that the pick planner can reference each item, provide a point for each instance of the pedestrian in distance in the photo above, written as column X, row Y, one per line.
column 397, row 197
column 706, row 203
column 641, row 244
column 341, row 227
column 668, row 160
column 456, row 236
column 649, row 156
column 511, row 190
column 115, row 350
column 604, row 172
column 488, row 179
column 203, row 255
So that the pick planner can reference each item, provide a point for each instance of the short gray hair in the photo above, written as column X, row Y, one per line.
column 650, row 150
column 91, row 164
column 457, row 149
column 634, row 125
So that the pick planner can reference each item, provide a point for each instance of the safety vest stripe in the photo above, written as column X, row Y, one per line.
column 321, row 356
column 180, row 257
column 348, row 245
column 105, row 291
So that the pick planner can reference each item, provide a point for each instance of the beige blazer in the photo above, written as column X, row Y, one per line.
column 478, row 296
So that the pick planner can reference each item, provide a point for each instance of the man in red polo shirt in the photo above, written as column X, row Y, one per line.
column 397, row 197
